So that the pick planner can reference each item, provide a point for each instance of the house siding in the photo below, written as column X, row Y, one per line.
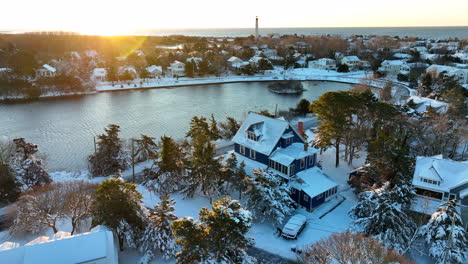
column 259, row 157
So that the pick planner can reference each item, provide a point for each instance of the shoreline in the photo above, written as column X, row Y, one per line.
column 301, row 74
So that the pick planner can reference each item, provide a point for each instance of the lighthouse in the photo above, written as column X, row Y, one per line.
column 256, row 28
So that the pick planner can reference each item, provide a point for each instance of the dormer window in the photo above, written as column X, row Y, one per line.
column 434, row 182
column 251, row 135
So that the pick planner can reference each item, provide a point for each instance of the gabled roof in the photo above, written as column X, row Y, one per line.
column 451, row 174
column 313, row 182
column 49, row 68
column 153, row 68
column 293, row 152
column 272, row 130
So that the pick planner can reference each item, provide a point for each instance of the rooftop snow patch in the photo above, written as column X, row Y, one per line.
column 48, row 67
column 94, row 246
column 293, row 152
column 313, row 182
column 272, row 130
column 451, row 174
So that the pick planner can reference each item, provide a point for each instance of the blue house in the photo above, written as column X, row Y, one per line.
column 282, row 149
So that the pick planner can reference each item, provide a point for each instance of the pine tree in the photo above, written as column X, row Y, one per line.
column 205, row 171
column 302, row 107
column 268, row 197
column 334, row 109
column 118, row 205
column 215, row 134
column 9, row 185
column 229, row 128
column 445, row 235
column 167, row 172
column 145, row 149
column 158, row 236
column 218, row 236
column 110, row 156
column 28, row 168
column 236, row 174
column 378, row 214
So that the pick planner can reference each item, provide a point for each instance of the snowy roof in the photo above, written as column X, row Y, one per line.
column 100, row 72
column 402, row 56
column 81, row 248
column 352, row 58
column 234, row 59
column 272, row 130
column 423, row 103
column 451, row 174
column 293, row 152
column 153, row 68
column 393, row 62
column 8, row 245
column 49, row 68
column 313, row 182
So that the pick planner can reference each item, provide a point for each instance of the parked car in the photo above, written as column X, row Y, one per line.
column 294, row 226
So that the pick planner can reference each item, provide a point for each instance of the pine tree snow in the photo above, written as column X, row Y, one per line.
column 29, row 170
column 145, row 148
column 379, row 215
column 218, row 236
column 158, row 236
column 268, row 197
column 444, row 241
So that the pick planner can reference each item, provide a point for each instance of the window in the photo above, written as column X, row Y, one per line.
column 311, row 160
column 292, row 169
column 242, row 150
column 288, row 141
column 305, row 197
column 452, row 196
column 302, row 163
column 251, row 135
column 252, row 154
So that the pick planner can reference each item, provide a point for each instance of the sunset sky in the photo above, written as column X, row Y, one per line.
column 121, row 16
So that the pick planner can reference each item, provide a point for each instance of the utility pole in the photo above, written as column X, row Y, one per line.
column 133, row 161
column 94, row 139
column 449, row 242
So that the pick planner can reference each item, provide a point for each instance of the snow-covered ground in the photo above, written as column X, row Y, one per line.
column 305, row 74
column 265, row 234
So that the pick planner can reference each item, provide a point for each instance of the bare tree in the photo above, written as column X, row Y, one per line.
column 44, row 206
column 77, row 202
column 349, row 247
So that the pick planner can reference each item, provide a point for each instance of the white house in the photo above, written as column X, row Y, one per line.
column 234, row 60
column 460, row 75
column 394, row 67
column 438, row 180
column 46, row 71
column 154, row 71
column 325, row 64
column 96, row 247
column 353, row 62
column 99, row 75
column 177, row 69
column 422, row 103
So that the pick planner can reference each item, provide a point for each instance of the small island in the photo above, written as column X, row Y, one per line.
column 286, row 87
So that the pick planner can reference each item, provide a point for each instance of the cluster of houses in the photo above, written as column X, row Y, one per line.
column 274, row 144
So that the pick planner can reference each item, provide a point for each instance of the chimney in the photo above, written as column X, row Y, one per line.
column 300, row 128
column 306, row 147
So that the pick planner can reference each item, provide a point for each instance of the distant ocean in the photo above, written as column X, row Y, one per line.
column 422, row 32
